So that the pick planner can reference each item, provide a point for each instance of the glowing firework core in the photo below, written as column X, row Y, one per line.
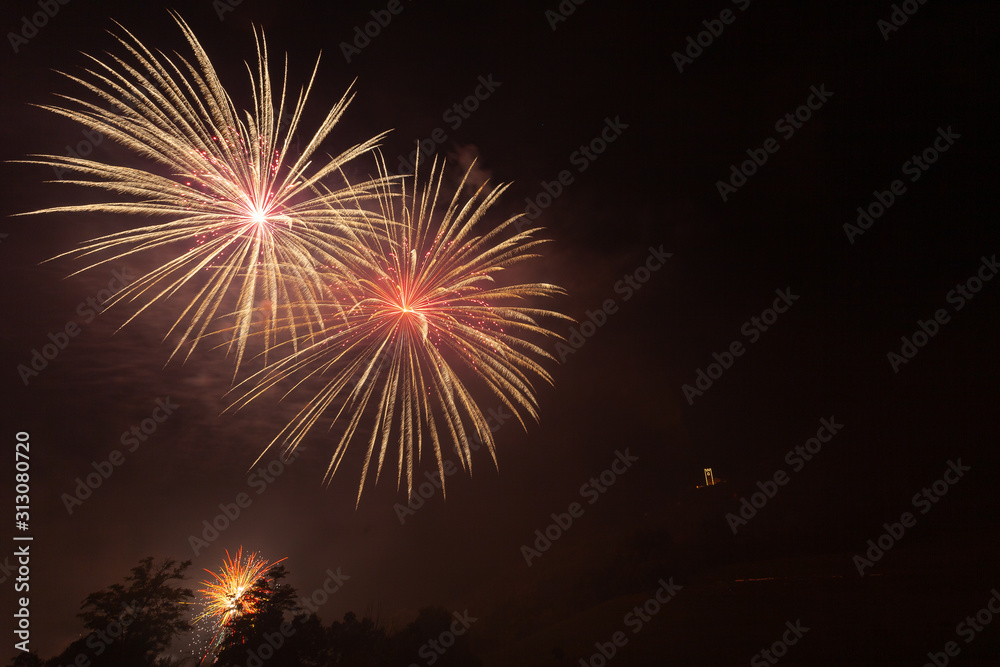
column 231, row 595
column 258, row 216
column 261, row 213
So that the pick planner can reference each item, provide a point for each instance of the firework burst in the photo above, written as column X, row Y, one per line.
column 423, row 309
column 248, row 217
column 233, row 592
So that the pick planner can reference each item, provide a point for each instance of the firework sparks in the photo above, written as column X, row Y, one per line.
column 233, row 592
column 424, row 306
column 249, row 220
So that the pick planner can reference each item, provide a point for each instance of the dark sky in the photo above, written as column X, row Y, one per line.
column 654, row 186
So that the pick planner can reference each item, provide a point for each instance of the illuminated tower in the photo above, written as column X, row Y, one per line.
column 709, row 478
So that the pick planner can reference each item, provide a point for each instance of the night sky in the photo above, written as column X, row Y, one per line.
column 667, row 234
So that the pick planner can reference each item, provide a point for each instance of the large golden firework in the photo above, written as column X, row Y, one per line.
column 248, row 217
column 428, row 301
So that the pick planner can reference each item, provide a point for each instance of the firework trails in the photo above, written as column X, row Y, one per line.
column 248, row 217
column 429, row 300
column 233, row 592
column 372, row 291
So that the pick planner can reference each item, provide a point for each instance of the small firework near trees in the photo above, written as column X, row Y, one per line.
column 235, row 596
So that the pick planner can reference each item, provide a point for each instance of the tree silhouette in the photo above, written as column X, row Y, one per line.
column 429, row 639
column 26, row 660
column 131, row 623
column 261, row 629
column 357, row 643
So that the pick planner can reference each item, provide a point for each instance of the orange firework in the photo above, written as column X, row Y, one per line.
column 235, row 592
